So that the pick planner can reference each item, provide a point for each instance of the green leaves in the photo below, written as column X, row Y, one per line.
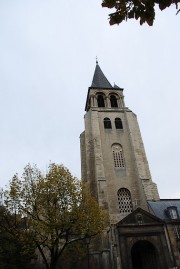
column 142, row 10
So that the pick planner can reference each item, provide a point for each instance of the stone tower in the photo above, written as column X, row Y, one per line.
column 144, row 230
column 113, row 159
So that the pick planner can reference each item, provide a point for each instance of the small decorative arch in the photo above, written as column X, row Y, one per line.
column 118, row 123
column 118, row 156
column 113, row 100
column 100, row 100
column 124, row 199
column 107, row 123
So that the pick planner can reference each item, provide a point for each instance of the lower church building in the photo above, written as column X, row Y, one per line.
column 144, row 230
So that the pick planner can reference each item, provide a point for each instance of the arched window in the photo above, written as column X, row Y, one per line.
column 124, row 200
column 118, row 123
column 118, row 155
column 107, row 123
column 113, row 101
column 100, row 100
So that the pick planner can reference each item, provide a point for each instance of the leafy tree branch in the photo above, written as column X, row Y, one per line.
column 142, row 10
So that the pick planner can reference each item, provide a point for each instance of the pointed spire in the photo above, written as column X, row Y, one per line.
column 99, row 79
column 96, row 60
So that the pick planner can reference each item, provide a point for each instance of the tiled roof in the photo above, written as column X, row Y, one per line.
column 158, row 208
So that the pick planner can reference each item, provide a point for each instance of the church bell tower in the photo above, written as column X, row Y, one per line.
column 113, row 159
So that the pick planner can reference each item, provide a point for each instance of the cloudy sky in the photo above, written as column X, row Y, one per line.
column 48, row 50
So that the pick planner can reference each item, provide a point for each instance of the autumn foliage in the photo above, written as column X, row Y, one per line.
column 56, row 210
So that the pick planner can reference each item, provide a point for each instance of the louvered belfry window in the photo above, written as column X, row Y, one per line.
column 124, row 200
column 118, row 155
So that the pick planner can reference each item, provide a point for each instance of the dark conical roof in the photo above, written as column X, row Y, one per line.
column 115, row 86
column 99, row 79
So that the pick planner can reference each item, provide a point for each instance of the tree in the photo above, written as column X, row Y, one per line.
column 75, row 256
column 14, row 253
column 136, row 9
column 56, row 208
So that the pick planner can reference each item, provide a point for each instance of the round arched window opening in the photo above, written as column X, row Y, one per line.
column 124, row 200
column 118, row 123
column 113, row 100
column 100, row 100
column 118, row 156
column 107, row 123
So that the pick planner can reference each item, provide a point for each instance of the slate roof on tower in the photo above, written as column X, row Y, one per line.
column 99, row 79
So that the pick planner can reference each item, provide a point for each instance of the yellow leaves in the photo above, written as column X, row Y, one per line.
column 55, row 201
column 93, row 220
column 56, row 206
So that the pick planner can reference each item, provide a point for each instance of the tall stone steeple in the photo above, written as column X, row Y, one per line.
column 113, row 159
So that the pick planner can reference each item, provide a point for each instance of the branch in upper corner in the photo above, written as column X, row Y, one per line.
column 142, row 10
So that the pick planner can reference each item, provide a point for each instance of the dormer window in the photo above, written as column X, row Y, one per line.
column 172, row 212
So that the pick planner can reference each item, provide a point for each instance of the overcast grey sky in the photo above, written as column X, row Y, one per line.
column 47, row 60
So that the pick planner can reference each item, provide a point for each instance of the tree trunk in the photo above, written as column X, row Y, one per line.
column 53, row 263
